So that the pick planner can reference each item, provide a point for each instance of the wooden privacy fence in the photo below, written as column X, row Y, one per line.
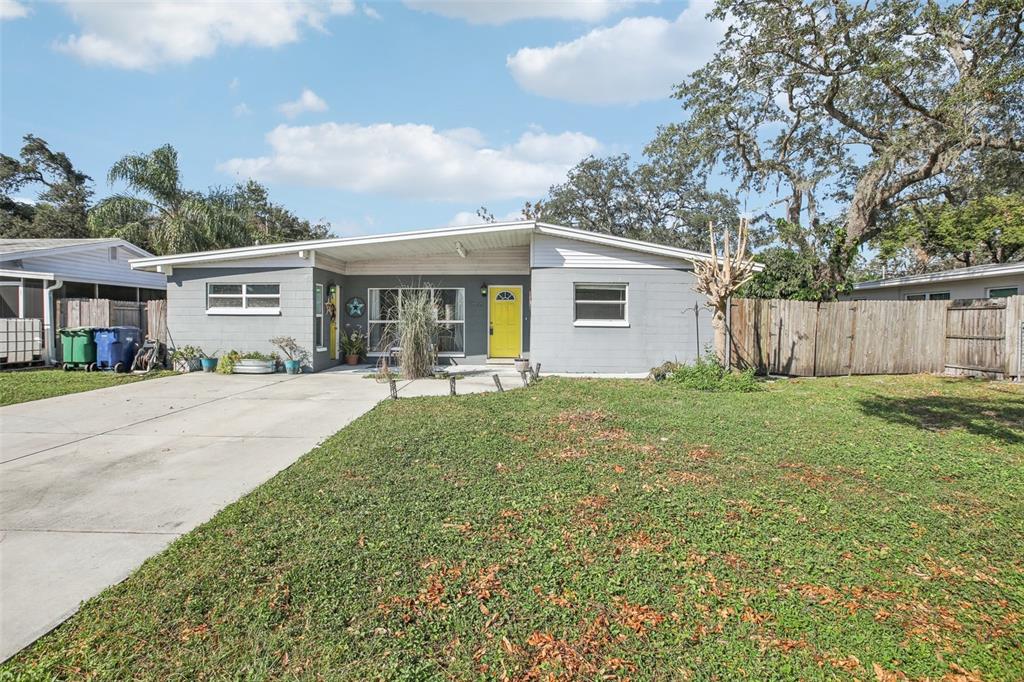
column 150, row 316
column 799, row 338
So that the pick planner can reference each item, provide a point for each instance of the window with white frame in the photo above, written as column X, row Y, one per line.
column 931, row 296
column 318, row 316
column 600, row 304
column 253, row 299
column 384, row 318
column 1002, row 292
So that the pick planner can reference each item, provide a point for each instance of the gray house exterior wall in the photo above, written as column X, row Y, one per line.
column 975, row 287
column 189, row 324
column 322, row 359
column 476, row 305
column 667, row 321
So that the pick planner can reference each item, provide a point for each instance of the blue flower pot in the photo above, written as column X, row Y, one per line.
column 209, row 364
column 292, row 366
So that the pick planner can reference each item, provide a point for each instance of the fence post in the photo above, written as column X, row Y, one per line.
column 853, row 337
column 394, row 389
column 451, row 385
column 814, row 349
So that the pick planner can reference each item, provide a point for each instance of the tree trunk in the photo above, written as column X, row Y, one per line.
column 718, row 323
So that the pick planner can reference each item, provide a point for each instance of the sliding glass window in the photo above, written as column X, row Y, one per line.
column 385, row 319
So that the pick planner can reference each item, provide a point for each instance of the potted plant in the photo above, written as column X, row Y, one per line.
column 209, row 363
column 186, row 359
column 353, row 345
column 294, row 354
column 521, row 364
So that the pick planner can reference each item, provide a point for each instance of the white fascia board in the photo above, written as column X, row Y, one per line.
column 944, row 276
column 629, row 244
column 26, row 274
column 294, row 247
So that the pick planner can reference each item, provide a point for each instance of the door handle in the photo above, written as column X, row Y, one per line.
column 491, row 331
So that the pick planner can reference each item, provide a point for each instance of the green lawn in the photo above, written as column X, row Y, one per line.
column 865, row 528
column 24, row 385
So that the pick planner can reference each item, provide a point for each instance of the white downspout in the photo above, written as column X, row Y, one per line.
column 48, row 320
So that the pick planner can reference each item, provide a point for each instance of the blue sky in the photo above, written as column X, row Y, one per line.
column 417, row 113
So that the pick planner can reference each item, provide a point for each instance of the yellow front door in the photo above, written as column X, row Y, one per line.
column 506, row 322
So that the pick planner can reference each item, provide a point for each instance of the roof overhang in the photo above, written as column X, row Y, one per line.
column 979, row 272
column 71, row 248
column 26, row 274
column 446, row 240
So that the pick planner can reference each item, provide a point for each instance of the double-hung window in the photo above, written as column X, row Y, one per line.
column 600, row 305
column 243, row 299
column 384, row 319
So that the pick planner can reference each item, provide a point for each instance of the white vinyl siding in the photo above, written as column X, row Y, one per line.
column 93, row 264
column 513, row 260
column 557, row 252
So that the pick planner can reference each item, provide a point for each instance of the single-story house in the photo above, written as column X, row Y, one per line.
column 34, row 273
column 994, row 280
column 573, row 300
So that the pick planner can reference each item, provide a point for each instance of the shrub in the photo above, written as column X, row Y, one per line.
column 353, row 342
column 291, row 349
column 707, row 374
column 416, row 334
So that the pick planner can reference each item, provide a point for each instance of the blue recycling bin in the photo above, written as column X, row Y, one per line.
column 116, row 347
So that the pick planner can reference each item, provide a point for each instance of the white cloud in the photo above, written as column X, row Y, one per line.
column 307, row 101
column 241, row 109
column 638, row 59
column 463, row 218
column 415, row 161
column 371, row 12
column 12, row 9
column 144, row 35
column 234, row 84
column 504, row 11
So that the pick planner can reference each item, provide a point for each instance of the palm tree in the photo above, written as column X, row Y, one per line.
column 161, row 216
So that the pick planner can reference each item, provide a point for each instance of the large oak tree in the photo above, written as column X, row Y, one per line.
column 861, row 108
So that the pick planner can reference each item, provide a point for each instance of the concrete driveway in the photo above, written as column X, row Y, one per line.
column 91, row 484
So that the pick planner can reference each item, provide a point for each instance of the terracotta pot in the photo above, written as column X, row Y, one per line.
column 352, row 359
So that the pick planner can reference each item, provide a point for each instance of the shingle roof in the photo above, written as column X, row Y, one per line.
column 987, row 270
column 27, row 245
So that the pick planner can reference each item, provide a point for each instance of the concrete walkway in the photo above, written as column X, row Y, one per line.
column 92, row 484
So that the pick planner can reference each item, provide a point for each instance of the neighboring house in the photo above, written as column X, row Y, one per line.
column 36, row 272
column 978, row 281
column 573, row 300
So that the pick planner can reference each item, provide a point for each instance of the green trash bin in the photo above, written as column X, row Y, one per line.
column 78, row 348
